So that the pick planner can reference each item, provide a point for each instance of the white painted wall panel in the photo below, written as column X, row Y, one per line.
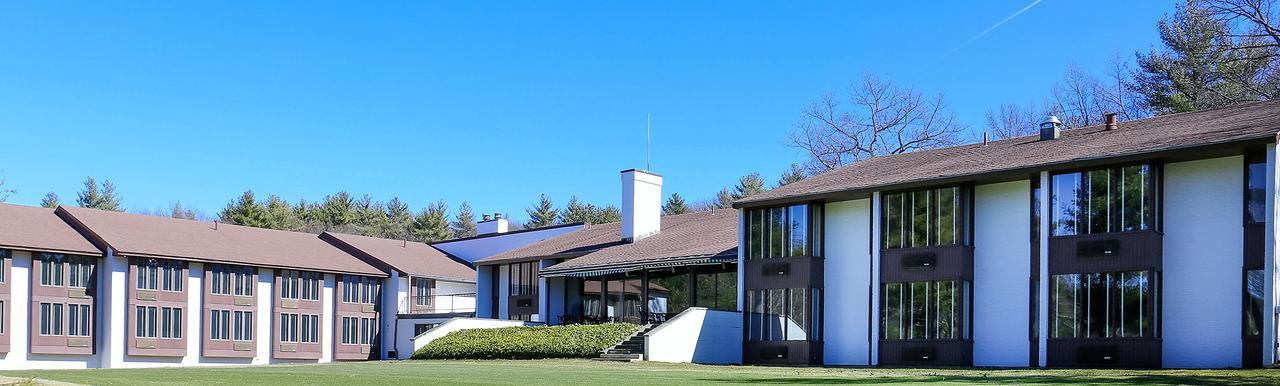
column 1001, row 274
column 697, row 335
column 1203, row 253
column 848, row 281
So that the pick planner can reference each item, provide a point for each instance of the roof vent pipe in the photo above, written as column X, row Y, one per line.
column 1110, row 120
column 1050, row 129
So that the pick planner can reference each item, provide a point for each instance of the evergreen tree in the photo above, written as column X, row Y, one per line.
column 675, row 205
column 337, row 210
column 432, row 224
column 464, row 224
column 606, row 214
column 575, row 211
column 724, row 199
column 542, row 214
column 1201, row 66
column 748, row 185
column 795, row 173
column 245, row 211
column 398, row 220
column 50, row 200
column 92, row 197
column 280, row 215
column 177, row 211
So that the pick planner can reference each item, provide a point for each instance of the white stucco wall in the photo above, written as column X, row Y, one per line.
column 484, row 292
column 848, row 283
column 1001, row 271
column 697, row 335
column 1203, row 253
column 327, row 322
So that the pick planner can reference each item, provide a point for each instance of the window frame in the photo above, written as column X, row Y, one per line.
column 1153, row 193
column 760, row 237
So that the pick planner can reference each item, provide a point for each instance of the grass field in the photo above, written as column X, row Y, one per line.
column 582, row 372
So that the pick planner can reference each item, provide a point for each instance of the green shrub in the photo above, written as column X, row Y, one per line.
column 571, row 341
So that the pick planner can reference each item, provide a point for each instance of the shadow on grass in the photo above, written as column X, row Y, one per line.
column 1143, row 379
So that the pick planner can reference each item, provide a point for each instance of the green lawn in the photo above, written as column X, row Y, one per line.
column 582, row 372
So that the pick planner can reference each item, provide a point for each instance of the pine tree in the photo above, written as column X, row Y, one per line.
column 92, row 197
column 399, row 220
column 575, row 211
column 794, row 174
column 724, row 199
column 1202, row 65
column 542, row 214
column 464, row 224
column 177, row 211
column 675, row 205
column 50, row 200
column 606, row 214
column 748, row 185
column 279, row 215
column 337, row 210
column 432, row 224
column 245, row 211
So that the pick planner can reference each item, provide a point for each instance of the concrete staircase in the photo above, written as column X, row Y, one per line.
column 629, row 350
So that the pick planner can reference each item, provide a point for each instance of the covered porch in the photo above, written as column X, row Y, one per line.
column 641, row 292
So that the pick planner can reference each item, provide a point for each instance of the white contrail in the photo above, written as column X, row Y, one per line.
column 991, row 28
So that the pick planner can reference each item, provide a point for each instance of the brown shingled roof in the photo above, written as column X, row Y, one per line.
column 1249, row 122
column 150, row 236
column 413, row 258
column 39, row 229
column 698, row 234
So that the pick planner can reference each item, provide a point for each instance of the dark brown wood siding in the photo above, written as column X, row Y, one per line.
column 926, row 353
column 785, row 352
column 783, row 272
column 1106, row 252
column 1112, row 352
column 949, row 262
column 1255, row 239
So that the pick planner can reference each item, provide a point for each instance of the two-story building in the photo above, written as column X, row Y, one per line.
column 1146, row 243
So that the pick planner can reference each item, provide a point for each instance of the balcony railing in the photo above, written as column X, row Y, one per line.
column 439, row 304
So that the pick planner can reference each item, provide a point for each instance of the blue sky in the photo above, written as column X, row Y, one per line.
column 489, row 103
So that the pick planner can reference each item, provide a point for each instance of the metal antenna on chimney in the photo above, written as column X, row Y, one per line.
column 647, row 152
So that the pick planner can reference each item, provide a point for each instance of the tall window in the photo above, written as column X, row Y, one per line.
column 524, row 278
column 783, row 314
column 1255, row 209
column 925, row 310
column 1104, row 200
column 160, row 274
column 220, row 324
column 310, row 328
column 299, row 285
column 422, row 291
column 78, row 319
column 51, row 319
column 289, row 328
column 242, row 328
column 145, row 324
column 171, row 322
column 4, row 254
column 923, row 218
column 1255, row 281
column 360, row 331
column 360, row 289
column 51, row 269
column 1102, row 305
column 231, row 280
column 350, row 329
column 784, row 231
column 79, row 271
column 717, row 290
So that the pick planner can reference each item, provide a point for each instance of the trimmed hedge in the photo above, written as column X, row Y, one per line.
column 571, row 341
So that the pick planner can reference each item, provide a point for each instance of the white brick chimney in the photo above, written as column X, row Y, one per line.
column 641, row 204
column 494, row 223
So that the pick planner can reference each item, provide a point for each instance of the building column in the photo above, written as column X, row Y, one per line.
column 112, row 309
column 1269, row 263
column 1042, row 322
column 484, row 292
column 195, row 313
column 328, row 300
column 742, row 262
column 264, row 333
column 874, row 304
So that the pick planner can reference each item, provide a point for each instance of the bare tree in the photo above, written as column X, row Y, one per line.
column 1074, row 100
column 1116, row 93
column 1257, row 16
column 878, row 118
column 1013, row 120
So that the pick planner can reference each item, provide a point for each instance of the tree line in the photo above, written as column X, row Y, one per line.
column 1213, row 53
